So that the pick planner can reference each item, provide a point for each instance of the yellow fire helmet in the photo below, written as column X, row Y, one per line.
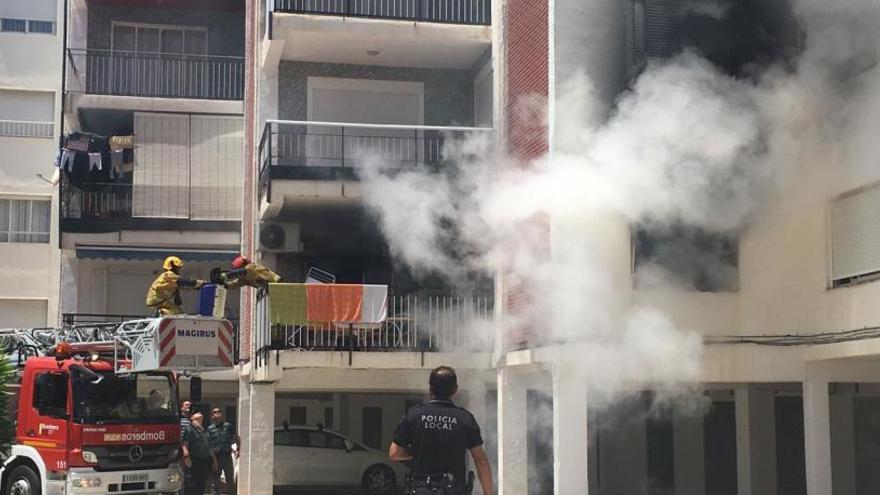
column 172, row 261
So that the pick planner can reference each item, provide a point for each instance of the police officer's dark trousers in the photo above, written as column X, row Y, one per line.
column 198, row 475
column 224, row 461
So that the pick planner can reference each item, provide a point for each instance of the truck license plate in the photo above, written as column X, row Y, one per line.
column 134, row 478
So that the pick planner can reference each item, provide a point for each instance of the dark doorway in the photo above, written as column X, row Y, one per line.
column 372, row 423
column 719, row 437
column 791, row 473
column 297, row 415
column 661, row 452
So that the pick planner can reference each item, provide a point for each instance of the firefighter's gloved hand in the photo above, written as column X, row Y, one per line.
column 199, row 284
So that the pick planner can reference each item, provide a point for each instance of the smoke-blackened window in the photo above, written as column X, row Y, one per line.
column 686, row 257
column 741, row 37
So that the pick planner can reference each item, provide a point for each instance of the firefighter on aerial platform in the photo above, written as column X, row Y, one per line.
column 164, row 294
column 247, row 273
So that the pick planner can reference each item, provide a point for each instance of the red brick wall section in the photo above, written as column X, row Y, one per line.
column 526, row 63
column 248, row 214
column 527, row 85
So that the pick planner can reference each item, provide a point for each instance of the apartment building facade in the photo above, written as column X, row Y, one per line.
column 156, row 91
column 30, row 90
column 775, row 419
column 338, row 87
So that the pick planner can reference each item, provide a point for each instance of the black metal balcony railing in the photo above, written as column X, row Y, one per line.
column 108, row 207
column 478, row 12
column 414, row 323
column 104, row 202
column 335, row 151
column 120, row 73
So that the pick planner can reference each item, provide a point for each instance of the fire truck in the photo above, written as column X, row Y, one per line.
column 96, row 409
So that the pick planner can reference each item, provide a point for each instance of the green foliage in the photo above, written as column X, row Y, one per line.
column 8, row 402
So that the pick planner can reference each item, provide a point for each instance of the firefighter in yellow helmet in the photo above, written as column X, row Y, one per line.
column 247, row 273
column 164, row 294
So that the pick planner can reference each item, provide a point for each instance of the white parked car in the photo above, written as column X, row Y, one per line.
column 306, row 456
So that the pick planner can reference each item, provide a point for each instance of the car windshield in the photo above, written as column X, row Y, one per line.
column 135, row 398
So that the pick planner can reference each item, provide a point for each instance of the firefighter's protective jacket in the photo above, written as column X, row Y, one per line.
column 252, row 275
column 165, row 291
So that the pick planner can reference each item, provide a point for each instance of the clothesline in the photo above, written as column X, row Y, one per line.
column 95, row 151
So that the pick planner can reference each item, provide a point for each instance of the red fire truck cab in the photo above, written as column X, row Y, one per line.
column 81, row 428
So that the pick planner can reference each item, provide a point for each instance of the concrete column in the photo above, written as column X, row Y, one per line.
column 570, row 436
column 244, row 431
column 817, row 431
column 690, row 457
column 476, row 404
column 512, row 449
column 755, row 442
column 259, row 445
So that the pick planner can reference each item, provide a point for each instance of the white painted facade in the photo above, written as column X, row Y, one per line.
column 30, row 99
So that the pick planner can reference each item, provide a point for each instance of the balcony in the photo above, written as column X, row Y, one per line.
column 110, row 207
column 414, row 323
column 322, row 151
column 474, row 12
column 121, row 73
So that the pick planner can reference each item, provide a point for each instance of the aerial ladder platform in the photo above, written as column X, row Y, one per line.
column 178, row 343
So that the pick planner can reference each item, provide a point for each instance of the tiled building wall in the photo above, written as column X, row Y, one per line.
column 449, row 94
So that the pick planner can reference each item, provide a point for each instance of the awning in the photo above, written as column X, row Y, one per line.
column 144, row 253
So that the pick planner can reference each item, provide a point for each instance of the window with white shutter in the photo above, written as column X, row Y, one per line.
column 188, row 166
column 855, row 236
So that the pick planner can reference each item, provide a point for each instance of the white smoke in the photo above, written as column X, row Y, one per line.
column 685, row 145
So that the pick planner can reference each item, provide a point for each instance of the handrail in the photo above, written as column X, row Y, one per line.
column 380, row 126
column 132, row 53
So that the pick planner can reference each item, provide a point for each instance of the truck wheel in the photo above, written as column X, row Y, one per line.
column 23, row 481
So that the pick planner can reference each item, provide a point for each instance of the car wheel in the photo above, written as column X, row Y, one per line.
column 379, row 480
column 23, row 481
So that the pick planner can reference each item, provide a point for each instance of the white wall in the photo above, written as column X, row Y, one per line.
column 120, row 287
column 31, row 62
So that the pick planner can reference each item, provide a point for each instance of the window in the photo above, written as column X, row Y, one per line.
column 25, row 220
column 27, row 113
column 855, row 237
column 322, row 440
column 292, row 438
column 735, row 35
column 28, row 16
column 686, row 257
column 50, row 393
column 42, row 27
column 328, row 417
column 372, row 425
column 156, row 39
column 14, row 25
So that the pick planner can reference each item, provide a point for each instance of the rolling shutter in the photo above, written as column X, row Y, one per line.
column 188, row 166
column 855, row 234
column 217, row 157
column 161, row 166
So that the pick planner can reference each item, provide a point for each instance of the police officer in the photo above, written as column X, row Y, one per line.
column 222, row 436
column 434, row 436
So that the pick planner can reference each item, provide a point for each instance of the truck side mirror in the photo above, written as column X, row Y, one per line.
column 349, row 445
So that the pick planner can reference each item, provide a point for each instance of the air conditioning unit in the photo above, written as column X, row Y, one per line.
column 280, row 237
